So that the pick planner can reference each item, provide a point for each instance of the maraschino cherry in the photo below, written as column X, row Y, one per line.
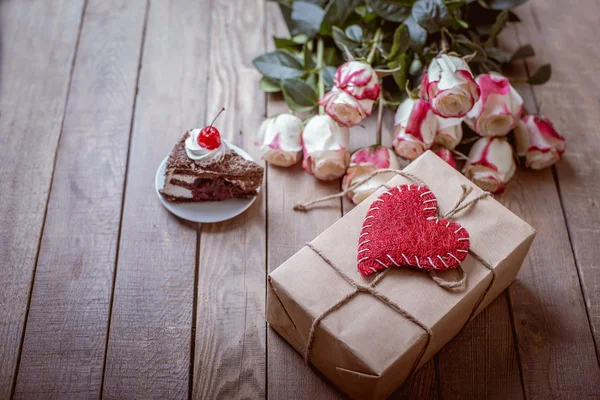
column 209, row 137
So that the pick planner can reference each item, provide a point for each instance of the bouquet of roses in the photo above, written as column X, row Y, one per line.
column 436, row 61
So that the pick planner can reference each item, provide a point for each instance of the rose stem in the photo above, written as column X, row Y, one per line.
column 321, row 84
column 371, row 55
column 379, row 118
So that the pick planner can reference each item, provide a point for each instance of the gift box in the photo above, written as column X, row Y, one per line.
column 368, row 334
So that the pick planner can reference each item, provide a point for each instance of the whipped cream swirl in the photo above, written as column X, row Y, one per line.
column 197, row 152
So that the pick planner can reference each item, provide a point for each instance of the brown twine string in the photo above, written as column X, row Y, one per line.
column 358, row 288
column 487, row 289
column 305, row 206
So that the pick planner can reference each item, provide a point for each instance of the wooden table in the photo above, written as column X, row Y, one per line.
column 104, row 293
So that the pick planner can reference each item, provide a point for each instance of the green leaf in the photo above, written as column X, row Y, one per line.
column 541, row 76
column 285, row 43
column 336, row 13
column 269, row 85
column 299, row 95
column 401, row 41
column 431, row 14
column 328, row 75
column 418, row 35
column 340, row 39
column 279, row 64
column 497, row 54
column 523, row 52
column 498, row 26
column 400, row 77
column 461, row 23
column 389, row 11
column 354, row 32
column 504, row 4
column 307, row 17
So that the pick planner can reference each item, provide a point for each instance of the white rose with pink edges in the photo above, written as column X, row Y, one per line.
column 498, row 109
column 538, row 141
column 345, row 109
column 415, row 126
column 449, row 86
column 363, row 162
column 281, row 138
column 449, row 132
column 325, row 143
column 490, row 164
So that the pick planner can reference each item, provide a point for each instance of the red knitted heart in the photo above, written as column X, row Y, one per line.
column 401, row 229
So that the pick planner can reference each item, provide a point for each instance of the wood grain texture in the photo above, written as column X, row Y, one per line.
column 149, row 344
column 566, row 37
column 548, row 308
column 481, row 361
column 230, row 350
column 65, row 338
column 288, row 231
column 37, row 47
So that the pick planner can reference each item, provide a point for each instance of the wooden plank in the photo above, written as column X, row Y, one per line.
column 288, row 231
column 150, row 333
column 38, row 43
column 68, row 317
column 566, row 39
column 230, row 344
column 556, row 346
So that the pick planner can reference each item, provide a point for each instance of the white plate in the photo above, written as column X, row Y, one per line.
column 204, row 211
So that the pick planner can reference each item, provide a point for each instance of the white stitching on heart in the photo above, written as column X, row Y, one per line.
column 358, row 252
column 444, row 262
column 405, row 258
column 452, row 255
column 385, row 266
column 392, row 260
column 431, row 263
column 362, row 259
column 423, row 194
column 366, row 241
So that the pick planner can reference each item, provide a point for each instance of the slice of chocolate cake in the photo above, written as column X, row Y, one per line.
column 215, row 174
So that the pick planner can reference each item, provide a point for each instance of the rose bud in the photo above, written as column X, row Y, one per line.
column 325, row 148
column 538, row 141
column 346, row 109
column 499, row 108
column 449, row 132
column 363, row 162
column 490, row 164
column 449, row 86
column 446, row 155
column 415, row 126
column 281, row 138
column 358, row 79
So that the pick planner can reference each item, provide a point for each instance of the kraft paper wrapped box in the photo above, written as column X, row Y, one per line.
column 366, row 348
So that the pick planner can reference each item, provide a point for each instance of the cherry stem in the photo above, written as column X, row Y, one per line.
column 213, row 121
